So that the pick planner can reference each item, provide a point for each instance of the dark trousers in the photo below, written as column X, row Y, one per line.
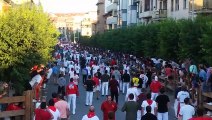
column 84, row 78
column 114, row 94
column 61, row 90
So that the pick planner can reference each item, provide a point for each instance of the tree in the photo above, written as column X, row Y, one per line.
column 206, row 42
column 168, row 38
column 27, row 38
column 189, row 43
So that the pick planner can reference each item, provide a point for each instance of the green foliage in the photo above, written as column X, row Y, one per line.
column 168, row 39
column 27, row 37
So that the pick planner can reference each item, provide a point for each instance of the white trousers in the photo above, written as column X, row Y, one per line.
column 175, row 107
column 125, row 84
column 139, row 115
column 163, row 116
column 120, row 84
column 104, row 88
column 72, row 100
column 89, row 98
column 154, row 95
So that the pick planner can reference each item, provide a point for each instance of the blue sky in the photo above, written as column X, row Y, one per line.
column 69, row 6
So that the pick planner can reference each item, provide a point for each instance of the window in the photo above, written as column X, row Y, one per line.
column 151, row 5
column 140, row 7
column 165, row 5
column 184, row 4
column 161, row 5
column 176, row 5
column 172, row 5
column 147, row 5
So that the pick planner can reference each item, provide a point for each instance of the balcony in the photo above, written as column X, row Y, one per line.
column 111, row 20
column 161, row 13
column 136, row 1
column 146, row 14
column 114, row 1
column 111, row 7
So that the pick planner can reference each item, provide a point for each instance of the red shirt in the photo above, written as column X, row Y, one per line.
column 113, row 62
column 71, row 89
column 113, row 85
column 201, row 118
column 155, row 86
column 55, row 100
column 96, row 80
column 42, row 114
column 12, row 106
column 106, row 107
column 168, row 71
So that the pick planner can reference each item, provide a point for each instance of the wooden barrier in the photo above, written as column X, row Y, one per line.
column 27, row 112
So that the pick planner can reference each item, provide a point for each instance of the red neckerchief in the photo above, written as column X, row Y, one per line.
column 91, row 114
column 52, row 108
column 149, row 102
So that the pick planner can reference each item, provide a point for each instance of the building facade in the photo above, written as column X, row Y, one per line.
column 86, row 23
column 132, row 12
column 111, row 8
column 101, row 21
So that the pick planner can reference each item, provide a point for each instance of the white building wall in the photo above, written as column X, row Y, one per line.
column 182, row 13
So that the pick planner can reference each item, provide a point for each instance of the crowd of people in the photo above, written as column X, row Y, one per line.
column 108, row 73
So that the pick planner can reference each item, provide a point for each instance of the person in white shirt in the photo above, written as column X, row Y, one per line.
column 91, row 114
column 89, row 69
column 127, row 68
column 102, row 68
column 76, row 78
column 181, row 97
column 149, row 102
column 71, row 73
column 187, row 111
column 108, row 69
column 132, row 90
column 65, row 63
column 35, row 80
column 71, row 65
column 49, row 73
column 77, row 68
column 62, row 70
column 144, row 78
column 94, row 70
column 53, row 110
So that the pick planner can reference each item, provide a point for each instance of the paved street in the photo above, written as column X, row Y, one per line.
column 82, row 109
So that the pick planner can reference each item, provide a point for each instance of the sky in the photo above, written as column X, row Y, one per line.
column 69, row 6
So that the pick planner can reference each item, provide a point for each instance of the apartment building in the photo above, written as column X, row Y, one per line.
column 86, row 23
column 111, row 14
column 100, row 25
column 156, row 10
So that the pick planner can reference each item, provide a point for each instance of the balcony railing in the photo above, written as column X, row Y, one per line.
column 162, row 13
column 111, row 7
column 111, row 20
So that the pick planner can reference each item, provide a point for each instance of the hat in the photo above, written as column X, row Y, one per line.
column 156, row 78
